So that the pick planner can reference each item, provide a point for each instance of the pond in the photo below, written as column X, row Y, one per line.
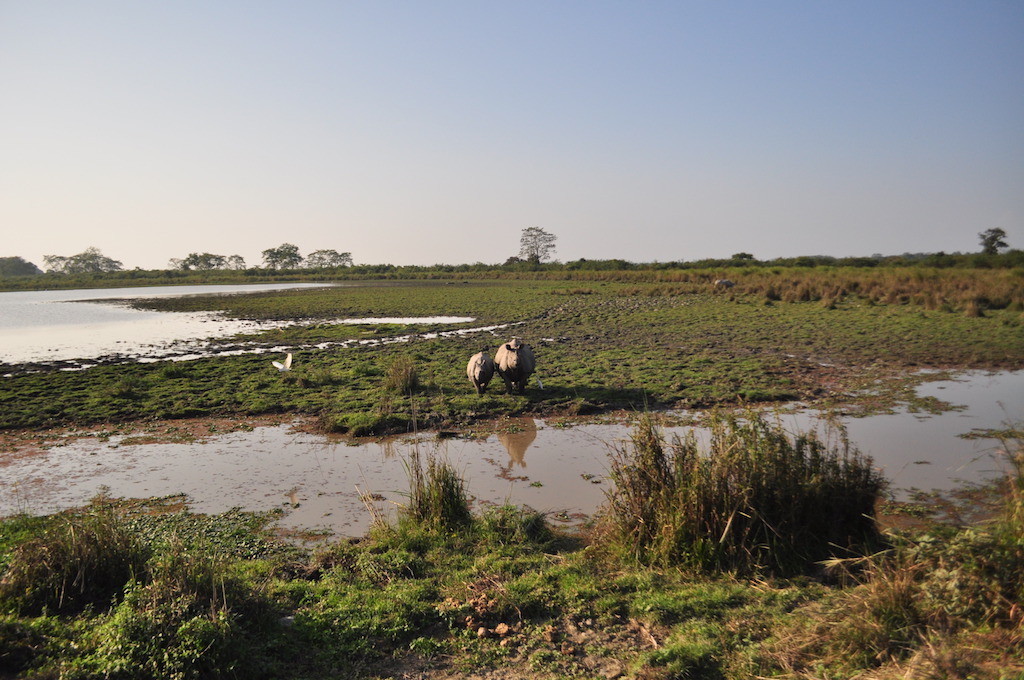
column 75, row 328
column 59, row 325
column 318, row 480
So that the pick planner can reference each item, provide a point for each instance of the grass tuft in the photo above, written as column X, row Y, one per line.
column 758, row 500
column 83, row 561
column 437, row 495
column 401, row 375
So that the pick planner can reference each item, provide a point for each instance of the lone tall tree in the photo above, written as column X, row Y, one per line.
column 992, row 241
column 327, row 258
column 285, row 256
column 536, row 245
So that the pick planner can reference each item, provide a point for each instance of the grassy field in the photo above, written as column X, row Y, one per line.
column 601, row 344
column 698, row 568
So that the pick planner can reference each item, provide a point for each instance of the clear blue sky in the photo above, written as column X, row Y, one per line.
column 434, row 132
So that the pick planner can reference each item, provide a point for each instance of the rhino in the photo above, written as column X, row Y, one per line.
column 515, row 363
column 480, row 370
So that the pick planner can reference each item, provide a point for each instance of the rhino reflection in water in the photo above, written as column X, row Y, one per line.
column 518, row 441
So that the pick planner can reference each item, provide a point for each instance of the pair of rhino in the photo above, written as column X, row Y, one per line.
column 514, row 362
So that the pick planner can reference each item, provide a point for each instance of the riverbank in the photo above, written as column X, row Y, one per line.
column 499, row 594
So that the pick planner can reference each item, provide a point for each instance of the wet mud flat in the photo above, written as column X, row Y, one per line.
column 556, row 466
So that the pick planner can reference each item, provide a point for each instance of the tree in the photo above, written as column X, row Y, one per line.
column 285, row 256
column 324, row 259
column 536, row 245
column 992, row 241
column 90, row 261
column 17, row 266
column 200, row 262
column 236, row 262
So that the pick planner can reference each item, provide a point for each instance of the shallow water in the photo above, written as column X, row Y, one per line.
column 85, row 325
column 317, row 479
column 58, row 325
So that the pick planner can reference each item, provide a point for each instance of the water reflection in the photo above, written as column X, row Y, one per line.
column 518, row 438
column 318, row 480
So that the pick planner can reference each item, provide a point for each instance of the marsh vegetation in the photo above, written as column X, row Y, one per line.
column 607, row 341
column 754, row 556
column 146, row 589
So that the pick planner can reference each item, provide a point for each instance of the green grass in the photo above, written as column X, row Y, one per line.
column 506, row 593
column 756, row 499
column 625, row 345
column 149, row 589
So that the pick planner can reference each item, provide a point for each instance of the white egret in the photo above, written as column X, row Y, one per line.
column 286, row 366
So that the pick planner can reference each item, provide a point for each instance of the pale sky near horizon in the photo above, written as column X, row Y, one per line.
column 434, row 132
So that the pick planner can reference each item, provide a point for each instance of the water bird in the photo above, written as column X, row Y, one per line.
column 286, row 366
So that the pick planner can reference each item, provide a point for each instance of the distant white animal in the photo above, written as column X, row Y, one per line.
column 724, row 283
column 286, row 366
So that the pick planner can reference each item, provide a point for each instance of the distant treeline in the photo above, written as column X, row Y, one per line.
column 513, row 268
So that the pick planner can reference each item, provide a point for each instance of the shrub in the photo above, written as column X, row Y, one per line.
column 509, row 525
column 437, row 495
column 401, row 375
column 185, row 622
column 759, row 500
column 84, row 560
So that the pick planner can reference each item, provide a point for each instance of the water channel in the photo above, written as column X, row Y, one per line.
column 320, row 481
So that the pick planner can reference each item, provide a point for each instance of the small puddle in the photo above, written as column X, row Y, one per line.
column 320, row 481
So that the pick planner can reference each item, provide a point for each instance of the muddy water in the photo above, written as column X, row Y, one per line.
column 57, row 325
column 72, row 329
column 318, row 480
column 315, row 479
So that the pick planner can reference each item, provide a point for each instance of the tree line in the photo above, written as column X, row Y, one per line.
column 536, row 250
column 92, row 261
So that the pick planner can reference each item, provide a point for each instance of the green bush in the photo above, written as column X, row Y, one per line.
column 437, row 495
column 186, row 621
column 83, row 561
column 511, row 525
column 758, row 500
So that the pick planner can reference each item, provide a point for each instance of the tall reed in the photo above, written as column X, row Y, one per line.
column 757, row 500
column 437, row 494
column 84, row 560
column 401, row 375
column 946, row 594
